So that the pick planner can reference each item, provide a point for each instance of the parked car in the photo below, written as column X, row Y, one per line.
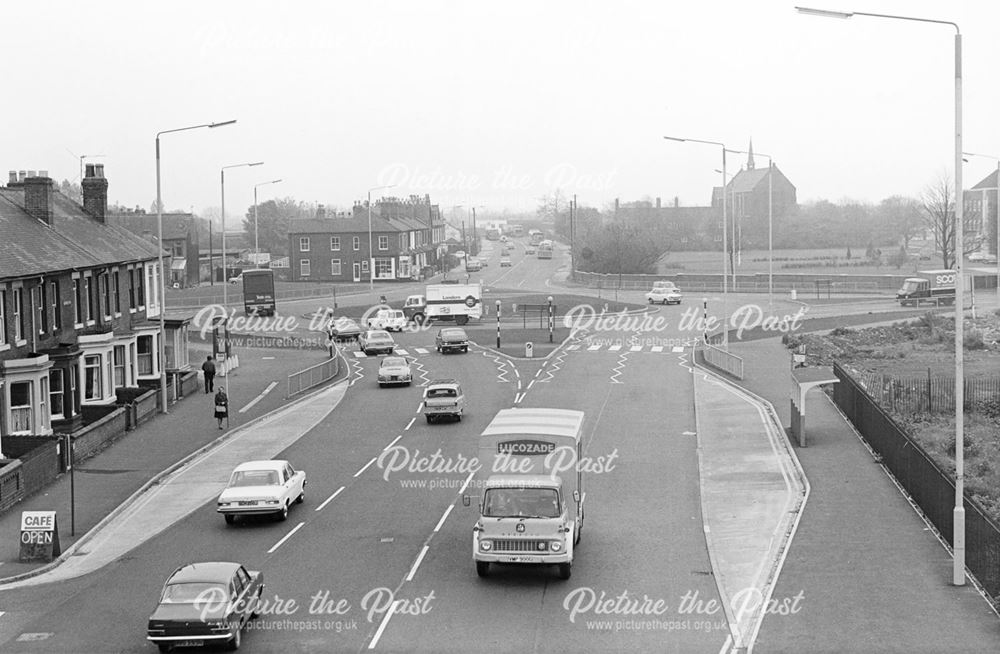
column 394, row 370
column 262, row 487
column 443, row 397
column 388, row 319
column 376, row 341
column 344, row 329
column 236, row 279
column 664, row 296
column 451, row 339
column 505, row 261
column 205, row 603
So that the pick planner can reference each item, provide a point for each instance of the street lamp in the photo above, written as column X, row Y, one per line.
column 770, row 227
column 725, row 245
column 985, row 205
column 498, row 324
column 256, row 241
column 550, row 319
column 161, row 351
column 958, row 535
column 371, row 250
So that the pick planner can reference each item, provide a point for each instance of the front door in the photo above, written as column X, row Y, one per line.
column 357, row 272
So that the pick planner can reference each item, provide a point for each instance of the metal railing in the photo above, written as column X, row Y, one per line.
column 313, row 376
column 723, row 360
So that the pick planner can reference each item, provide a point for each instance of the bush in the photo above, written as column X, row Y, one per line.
column 973, row 340
column 841, row 331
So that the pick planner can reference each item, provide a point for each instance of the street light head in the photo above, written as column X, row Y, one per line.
column 223, row 124
column 256, row 163
column 826, row 13
column 674, row 138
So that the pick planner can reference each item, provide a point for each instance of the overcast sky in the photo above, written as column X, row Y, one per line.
column 494, row 104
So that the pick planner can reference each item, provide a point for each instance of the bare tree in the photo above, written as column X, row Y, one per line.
column 938, row 201
column 902, row 215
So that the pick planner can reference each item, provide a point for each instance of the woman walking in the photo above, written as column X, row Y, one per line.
column 221, row 407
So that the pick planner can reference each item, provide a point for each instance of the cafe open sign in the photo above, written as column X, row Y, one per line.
column 39, row 536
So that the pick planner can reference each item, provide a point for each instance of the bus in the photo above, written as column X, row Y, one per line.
column 258, row 292
column 517, row 231
column 545, row 250
column 535, row 236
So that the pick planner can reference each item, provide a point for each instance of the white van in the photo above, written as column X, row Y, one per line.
column 388, row 319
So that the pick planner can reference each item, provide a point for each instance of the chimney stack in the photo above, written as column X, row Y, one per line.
column 677, row 201
column 657, row 203
column 321, row 212
column 38, row 198
column 95, row 191
column 12, row 178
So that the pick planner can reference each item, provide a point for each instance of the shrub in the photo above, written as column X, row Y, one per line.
column 841, row 331
column 973, row 340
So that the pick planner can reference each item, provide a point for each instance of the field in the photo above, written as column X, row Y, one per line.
column 831, row 260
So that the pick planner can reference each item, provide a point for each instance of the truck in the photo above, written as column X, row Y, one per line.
column 933, row 286
column 258, row 292
column 458, row 302
column 531, row 508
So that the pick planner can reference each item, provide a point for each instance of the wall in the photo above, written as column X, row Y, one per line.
column 97, row 435
column 40, row 460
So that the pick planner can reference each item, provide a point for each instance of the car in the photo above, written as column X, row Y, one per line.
column 505, row 261
column 236, row 279
column 451, row 339
column 664, row 296
column 376, row 341
column 530, row 249
column 443, row 398
column 473, row 265
column 205, row 603
column 389, row 320
column 664, row 284
column 343, row 329
column 260, row 488
column 394, row 370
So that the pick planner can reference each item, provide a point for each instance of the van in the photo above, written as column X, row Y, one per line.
column 388, row 319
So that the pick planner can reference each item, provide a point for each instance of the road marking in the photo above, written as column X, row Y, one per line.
column 657, row 348
column 409, row 424
column 358, row 473
column 518, row 398
column 538, row 372
column 393, row 441
column 416, row 564
column 614, row 348
column 419, row 408
column 593, row 347
column 443, row 518
column 385, row 621
column 267, row 358
column 286, row 537
column 677, row 348
column 518, row 384
column 420, row 350
column 329, row 499
column 688, row 433
column 401, row 353
column 260, row 397
column 573, row 347
column 466, row 484
column 530, row 384
column 360, row 355
column 635, row 348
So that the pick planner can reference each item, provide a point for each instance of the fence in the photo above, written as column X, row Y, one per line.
column 927, row 394
column 313, row 376
column 805, row 283
column 723, row 360
column 927, row 484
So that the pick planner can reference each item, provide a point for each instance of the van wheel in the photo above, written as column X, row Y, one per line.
column 565, row 570
column 483, row 568
column 230, row 519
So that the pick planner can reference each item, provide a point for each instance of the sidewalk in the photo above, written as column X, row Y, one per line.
column 106, row 480
column 872, row 576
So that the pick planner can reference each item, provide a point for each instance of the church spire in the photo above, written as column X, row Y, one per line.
column 750, row 156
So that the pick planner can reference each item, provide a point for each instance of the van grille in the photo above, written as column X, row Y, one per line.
column 518, row 545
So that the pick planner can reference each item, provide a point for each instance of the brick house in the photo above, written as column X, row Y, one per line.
column 981, row 214
column 79, row 306
column 747, row 197
column 180, row 239
column 407, row 236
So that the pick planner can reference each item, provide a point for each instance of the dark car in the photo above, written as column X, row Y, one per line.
column 451, row 339
column 344, row 329
column 204, row 604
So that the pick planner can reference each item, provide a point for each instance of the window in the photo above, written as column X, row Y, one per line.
column 56, row 393
column 152, row 289
column 140, row 290
column 38, row 301
column 335, row 267
column 304, row 244
column 383, row 242
column 364, row 266
column 356, row 242
column 3, row 317
column 144, row 356
column 89, row 297
column 131, row 290
column 119, row 373
column 20, row 408
column 92, row 383
column 56, row 308
column 43, row 400
column 115, row 290
column 403, row 242
column 304, row 267
column 77, row 303
column 383, row 267
column 104, row 284
column 18, row 314
column 404, row 266
column 334, row 243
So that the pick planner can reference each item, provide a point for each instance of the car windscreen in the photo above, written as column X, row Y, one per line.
column 521, row 502
column 254, row 478
column 192, row 592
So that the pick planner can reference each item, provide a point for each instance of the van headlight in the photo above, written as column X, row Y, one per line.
column 556, row 546
column 485, row 545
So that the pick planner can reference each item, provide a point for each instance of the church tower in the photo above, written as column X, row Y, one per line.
column 750, row 156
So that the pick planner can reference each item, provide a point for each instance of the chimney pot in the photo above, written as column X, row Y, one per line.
column 31, row 173
column 22, row 175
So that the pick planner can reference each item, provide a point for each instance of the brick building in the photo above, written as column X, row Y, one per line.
column 180, row 239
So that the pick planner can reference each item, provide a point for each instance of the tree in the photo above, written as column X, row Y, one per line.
column 273, row 217
column 901, row 216
column 939, row 217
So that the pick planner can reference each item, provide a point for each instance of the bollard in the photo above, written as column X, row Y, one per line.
column 794, row 293
column 529, row 349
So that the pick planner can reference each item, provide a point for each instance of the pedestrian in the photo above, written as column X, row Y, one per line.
column 209, row 369
column 331, row 339
column 221, row 407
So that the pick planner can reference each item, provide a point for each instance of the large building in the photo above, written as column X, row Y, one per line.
column 981, row 216
column 406, row 235
column 79, row 306
column 180, row 239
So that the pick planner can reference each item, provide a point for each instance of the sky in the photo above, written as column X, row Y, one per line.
column 497, row 104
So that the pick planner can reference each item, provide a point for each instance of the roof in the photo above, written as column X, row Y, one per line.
column 989, row 182
column 269, row 464
column 175, row 225
column 543, row 422
column 443, row 382
column 523, row 481
column 354, row 224
column 218, row 571
column 747, row 180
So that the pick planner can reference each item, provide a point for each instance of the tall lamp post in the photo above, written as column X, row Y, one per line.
column 161, row 350
column 725, row 244
column 986, row 205
column 958, row 536
column 256, row 239
column 371, row 250
column 770, row 226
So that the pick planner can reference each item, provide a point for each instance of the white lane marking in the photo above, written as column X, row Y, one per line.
column 416, row 564
column 392, row 443
column 530, row 384
column 635, row 348
column 575, row 346
column 444, row 517
column 329, row 499
column 385, row 621
column 677, row 348
column 517, row 373
column 358, row 473
column 657, row 348
column 409, row 424
column 360, row 355
column 518, row 384
column 518, row 398
column 538, row 372
column 419, row 408
column 260, row 397
column 286, row 537
column 593, row 347
column 466, row 484
column 267, row 358
column 614, row 348
column 420, row 350
column 401, row 353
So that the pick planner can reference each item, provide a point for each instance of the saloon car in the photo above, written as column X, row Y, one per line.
column 530, row 249
column 376, row 341
column 204, row 604
column 394, row 370
column 451, row 339
column 505, row 261
column 664, row 296
column 473, row 265
column 443, row 398
column 344, row 329
column 262, row 487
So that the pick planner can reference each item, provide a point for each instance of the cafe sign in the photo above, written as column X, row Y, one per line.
column 39, row 536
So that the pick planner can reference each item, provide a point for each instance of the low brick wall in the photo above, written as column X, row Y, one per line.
column 40, row 460
column 145, row 407
column 99, row 434
column 11, row 483
column 190, row 383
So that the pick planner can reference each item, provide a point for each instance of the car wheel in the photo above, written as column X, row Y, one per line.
column 458, row 417
column 237, row 639
column 428, row 419
column 165, row 647
column 651, row 300
column 381, row 385
column 302, row 496
column 483, row 568
column 230, row 519
column 465, row 349
column 283, row 514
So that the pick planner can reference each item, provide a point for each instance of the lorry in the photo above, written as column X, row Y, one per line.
column 258, row 292
column 531, row 508
column 933, row 286
column 458, row 302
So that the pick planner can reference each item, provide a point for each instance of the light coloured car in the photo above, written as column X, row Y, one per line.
column 391, row 320
column 530, row 249
column 664, row 296
column 443, row 398
column 664, row 284
column 376, row 341
column 262, row 487
column 473, row 265
column 236, row 279
column 394, row 370
column 505, row 261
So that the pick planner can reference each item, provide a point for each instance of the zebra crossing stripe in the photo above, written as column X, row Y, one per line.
column 360, row 355
column 657, row 348
column 635, row 348
column 615, row 348
column 572, row 347
column 677, row 348
column 401, row 353
column 593, row 347
column 420, row 350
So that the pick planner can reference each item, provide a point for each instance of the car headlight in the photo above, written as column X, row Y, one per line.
column 556, row 546
column 273, row 501
column 485, row 545
column 224, row 503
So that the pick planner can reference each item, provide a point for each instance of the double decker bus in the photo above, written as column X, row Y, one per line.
column 545, row 250
column 535, row 236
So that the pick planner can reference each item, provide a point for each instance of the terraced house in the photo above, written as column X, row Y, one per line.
column 79, row 306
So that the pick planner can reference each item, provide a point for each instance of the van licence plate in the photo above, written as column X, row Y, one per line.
column 522, row 559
